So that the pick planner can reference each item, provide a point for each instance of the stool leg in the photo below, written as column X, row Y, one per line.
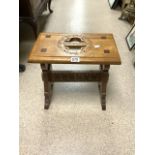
column 103, row 84
column 103, row 94
column 47, row 85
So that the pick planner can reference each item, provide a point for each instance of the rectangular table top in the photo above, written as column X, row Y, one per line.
column 90, row 48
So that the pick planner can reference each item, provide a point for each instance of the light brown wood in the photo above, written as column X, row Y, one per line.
column 95, row 49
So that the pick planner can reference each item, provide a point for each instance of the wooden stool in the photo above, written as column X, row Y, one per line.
column 54, row 48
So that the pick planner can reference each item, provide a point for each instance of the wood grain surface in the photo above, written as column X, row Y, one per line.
column 57, row 48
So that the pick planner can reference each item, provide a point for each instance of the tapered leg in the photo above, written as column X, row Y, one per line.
column 47, row 85
column 49, row 6
column 103, row 84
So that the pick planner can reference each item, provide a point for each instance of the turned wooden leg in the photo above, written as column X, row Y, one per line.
column 47, row 85
column 49, row 6
column 103, row 84
column 103, row 94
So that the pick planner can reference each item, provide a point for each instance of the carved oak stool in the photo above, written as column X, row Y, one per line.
column 55, row 48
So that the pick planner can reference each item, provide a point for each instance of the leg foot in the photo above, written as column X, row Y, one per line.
column 47, row 103
column 103, row 102
column 103, row 84
column 47, row 94
column 102, row 96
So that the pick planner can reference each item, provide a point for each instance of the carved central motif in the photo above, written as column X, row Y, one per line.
column 73, row 44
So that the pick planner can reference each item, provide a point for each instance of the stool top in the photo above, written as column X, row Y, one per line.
column 57, row 48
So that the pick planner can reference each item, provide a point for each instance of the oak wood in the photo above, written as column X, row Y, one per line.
column 47, row 85
column 75, row 76
column 103, row 84
column 96, row 49
column 99, row 49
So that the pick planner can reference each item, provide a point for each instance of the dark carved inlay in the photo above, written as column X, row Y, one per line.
column 76, row 39
column 103, row 37
column 106, row 51
column 48, row 36
column 43, row 49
